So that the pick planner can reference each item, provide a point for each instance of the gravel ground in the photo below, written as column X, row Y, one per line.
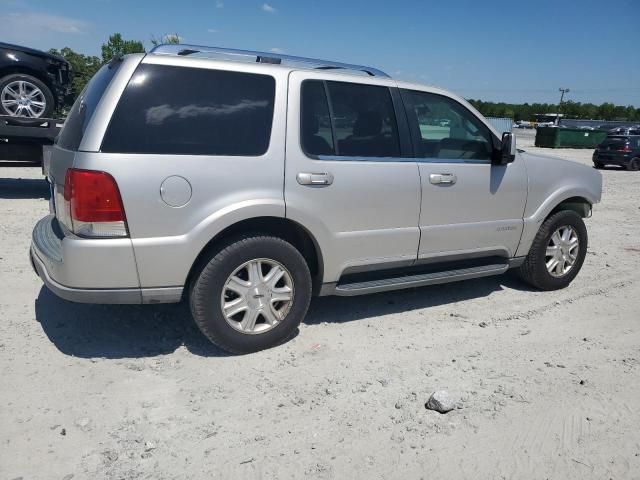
column 547, row 384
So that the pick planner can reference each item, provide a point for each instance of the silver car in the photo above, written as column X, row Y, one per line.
column 246, row 182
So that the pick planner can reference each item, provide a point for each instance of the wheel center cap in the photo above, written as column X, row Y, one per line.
column 257, row 296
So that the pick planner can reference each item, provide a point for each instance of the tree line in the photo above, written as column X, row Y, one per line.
column 570, row 109
column 85, row 66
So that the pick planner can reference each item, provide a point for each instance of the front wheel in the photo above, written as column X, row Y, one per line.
column 557, row 253
column 252, row 294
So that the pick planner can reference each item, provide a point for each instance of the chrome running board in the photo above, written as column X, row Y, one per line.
column 415, row 280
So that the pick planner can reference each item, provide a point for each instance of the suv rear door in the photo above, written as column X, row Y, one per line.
column 470, row 207
column 349, row 177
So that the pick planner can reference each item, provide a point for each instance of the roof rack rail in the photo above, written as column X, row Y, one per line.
column 262, row 57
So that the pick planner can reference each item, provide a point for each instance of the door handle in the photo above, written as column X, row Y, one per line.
column 443, row 178
column 315, row 179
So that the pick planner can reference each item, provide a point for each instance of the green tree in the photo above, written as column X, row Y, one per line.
column 116, row 45
column 169, row 38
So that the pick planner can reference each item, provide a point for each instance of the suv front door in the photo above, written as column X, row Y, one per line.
column 349, row 178
column 469, row 206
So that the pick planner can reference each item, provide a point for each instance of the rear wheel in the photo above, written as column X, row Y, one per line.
column 557, row 253
column 634, row 164
column 25, row 96
column 252, row 294
column 598, row 165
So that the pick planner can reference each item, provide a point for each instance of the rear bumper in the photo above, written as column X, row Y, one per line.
column 613, row 159
column 90, row 271
column 80, row 295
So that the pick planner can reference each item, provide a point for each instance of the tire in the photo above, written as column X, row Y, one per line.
column 534, row 270
column 41, row 94
column 634, row 164
column 209, row 292
column 598, row 165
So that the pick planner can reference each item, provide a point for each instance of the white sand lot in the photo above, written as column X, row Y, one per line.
column 549, row 388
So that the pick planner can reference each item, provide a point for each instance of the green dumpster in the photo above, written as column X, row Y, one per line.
column 554, row 137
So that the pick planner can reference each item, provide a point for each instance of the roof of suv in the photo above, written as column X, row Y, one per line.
column 271, row 58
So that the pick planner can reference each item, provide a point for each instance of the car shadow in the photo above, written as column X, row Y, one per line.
column 19, row 188
column 135, row 331
column 119, row 331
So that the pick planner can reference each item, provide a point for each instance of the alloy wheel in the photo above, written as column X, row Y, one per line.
column 23, row 99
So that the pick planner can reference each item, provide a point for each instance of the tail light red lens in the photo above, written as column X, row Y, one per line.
column 625, row 148
column 94, row 202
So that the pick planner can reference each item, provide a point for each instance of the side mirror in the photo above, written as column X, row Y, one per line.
column 507, row 149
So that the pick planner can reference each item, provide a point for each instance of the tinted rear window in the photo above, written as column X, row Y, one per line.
column 177, row 110
column 84, row 107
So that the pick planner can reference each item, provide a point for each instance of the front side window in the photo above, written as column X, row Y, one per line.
column 447, row 130
column 177, row 110
column 348, row 120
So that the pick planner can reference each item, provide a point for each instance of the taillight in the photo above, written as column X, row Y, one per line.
column 94, row 204
column 626, row 148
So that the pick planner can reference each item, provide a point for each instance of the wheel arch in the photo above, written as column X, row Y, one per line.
column 578, row 204
column 280, row 227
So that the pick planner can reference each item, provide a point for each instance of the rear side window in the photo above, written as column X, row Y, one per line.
column 348, row 120
column 176, row 110
column 84, row 107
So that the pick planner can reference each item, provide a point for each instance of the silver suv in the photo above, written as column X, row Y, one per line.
column 246, row 182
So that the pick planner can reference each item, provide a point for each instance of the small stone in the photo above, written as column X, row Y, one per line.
column 111, row 455
column 148, row 446
column 483, row 324
column 83, row 424
column 63, row 432
column 440, row 402
column 582, row 382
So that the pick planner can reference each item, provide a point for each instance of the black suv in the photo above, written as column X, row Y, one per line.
column 620, row 147
column 32, row 83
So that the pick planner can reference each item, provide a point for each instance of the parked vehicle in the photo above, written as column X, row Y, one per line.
column 622, row 148
column 32, row 83
column 240, row 192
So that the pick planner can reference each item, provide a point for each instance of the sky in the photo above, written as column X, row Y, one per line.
column 515, row 51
